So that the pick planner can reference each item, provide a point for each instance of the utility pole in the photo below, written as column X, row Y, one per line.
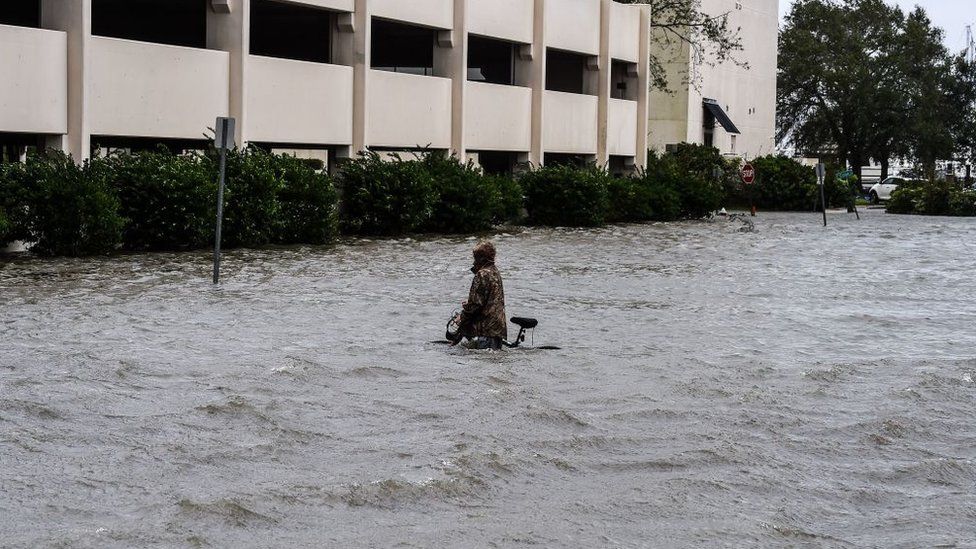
column 970, row 45
column 970, row 59
column 223, row 140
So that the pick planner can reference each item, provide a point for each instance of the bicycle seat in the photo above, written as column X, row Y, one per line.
column 525, row 323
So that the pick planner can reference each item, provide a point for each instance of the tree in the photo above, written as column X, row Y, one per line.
column 962, row 91
column 926, row 70
column 710, row 36
column 837, row 85
column 864, row 80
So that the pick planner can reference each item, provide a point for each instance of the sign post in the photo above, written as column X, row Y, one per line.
column 748, row 175
column 821, row 175
column 223, row 140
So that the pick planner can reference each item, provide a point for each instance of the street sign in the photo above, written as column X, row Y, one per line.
column 224, row 133
column 748, row 174
column 224, row 141
column 821, row 171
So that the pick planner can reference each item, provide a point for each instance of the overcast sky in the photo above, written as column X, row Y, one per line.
column 951, row 15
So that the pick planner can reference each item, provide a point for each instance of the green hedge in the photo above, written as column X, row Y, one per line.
column 467, row 200
column 786, row 185
column 161, row 201
column 7, row 204
column 167, row 200
column 433, row 193
column 671, row 187
column 158, row 200
column 566, row 196
column 642, row 198
column 61, row 208
column 385, row 197
column 308, row 210
column 936, row 198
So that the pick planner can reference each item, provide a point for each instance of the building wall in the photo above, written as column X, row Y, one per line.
column 747, row 94
column 73, row 85
column 34, row 85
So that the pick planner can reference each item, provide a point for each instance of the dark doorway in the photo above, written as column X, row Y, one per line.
column 173, row 22
column 138, row 144
column 565, row 71
column 397, row 47
column 623, row 80
column 289, row 31
column 565, row 159
column 498, row 162
column 13, row 145
column 620, row 166
column 491, row 61
column 21, row 13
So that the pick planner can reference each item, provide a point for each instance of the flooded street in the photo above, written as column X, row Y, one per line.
column 792, row 386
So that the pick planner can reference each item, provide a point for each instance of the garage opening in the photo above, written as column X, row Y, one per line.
column 567, row 72
column 491, row 61
column 621, row 166
column 623, row 78
column 289, row 31
column 566, row 159
column 105, row 144
column 397, row 47
column 21, row 13
column 172, row 22
column 15, row 146
column 498, row 162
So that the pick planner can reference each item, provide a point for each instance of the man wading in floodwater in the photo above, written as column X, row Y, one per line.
column 482, row 318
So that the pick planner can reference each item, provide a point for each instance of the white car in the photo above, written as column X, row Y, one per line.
column 882, row 191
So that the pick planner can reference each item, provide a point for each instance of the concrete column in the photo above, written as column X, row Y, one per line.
column 457, row 62
column 604, row 84
column 74, row 18
column 362, row 38
column 343, row 53
column 231, row 32
column 643, row 87
column 537, row 81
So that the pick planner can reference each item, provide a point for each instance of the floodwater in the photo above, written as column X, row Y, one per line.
column 792, row 386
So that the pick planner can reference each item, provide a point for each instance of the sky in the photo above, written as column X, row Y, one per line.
column 951, row 15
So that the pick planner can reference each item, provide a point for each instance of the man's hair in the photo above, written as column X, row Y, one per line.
column 485, row 251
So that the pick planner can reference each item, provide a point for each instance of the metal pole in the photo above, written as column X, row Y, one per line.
column 220, row 215
column 823, row 199
column 752, row 197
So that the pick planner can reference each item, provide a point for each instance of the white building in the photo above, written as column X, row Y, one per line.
column 726, row 105
column 498, row 80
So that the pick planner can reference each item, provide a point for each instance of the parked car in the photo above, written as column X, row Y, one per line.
column 882, row 191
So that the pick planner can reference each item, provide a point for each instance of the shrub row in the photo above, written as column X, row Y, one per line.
column 157, row 200
column 672, row 186
column 434, row 193
column 783, row 184
column 161, row 201
column 936, row 198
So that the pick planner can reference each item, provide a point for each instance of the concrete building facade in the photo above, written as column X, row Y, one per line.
column 500, row 81
column 727, row 105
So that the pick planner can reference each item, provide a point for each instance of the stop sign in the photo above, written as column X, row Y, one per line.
column 748, row 174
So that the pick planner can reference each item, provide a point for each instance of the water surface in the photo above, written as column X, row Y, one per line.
column 793, row 386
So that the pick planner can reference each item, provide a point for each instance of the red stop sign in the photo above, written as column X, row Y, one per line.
column 748, row 174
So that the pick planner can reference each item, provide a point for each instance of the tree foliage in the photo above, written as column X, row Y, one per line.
column 863, row 80
column 710, row 36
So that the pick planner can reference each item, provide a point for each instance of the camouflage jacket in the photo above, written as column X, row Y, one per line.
column 483, row 315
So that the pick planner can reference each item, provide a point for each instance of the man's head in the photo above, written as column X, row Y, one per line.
column 484, row 253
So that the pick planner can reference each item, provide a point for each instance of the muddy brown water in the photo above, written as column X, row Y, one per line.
column 794, row 386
